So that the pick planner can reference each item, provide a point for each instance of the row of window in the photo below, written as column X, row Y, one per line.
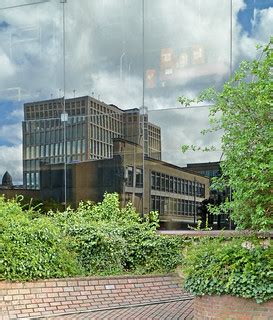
column 104, row 135
column 55, row 149
column 100, row 150
column 32, row 180
column 166, row 183
column 210, row 173
column 173, row 206
column 54, row 136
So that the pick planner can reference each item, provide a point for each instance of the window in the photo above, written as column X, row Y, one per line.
column 167, row 185
column 153, row 180
column 129, row 176
column 171, row 184
column 157, row 181
column 139, row 178
column 179, row 186
column 175, row 185
column 163, row 182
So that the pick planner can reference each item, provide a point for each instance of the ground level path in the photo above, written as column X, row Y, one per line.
column 180, row 309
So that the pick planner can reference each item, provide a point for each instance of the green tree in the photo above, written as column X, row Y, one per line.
column 243, row 111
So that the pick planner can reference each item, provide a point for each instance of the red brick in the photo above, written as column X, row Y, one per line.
column 61, row 283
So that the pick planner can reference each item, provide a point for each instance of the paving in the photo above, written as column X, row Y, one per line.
column 182, row 309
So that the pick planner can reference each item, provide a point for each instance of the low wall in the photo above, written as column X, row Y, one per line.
column 230, row 307
column 57, row 296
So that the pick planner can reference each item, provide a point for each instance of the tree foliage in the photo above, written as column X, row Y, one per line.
column 243, row 111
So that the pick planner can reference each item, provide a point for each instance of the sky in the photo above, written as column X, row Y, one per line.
column 186, row 49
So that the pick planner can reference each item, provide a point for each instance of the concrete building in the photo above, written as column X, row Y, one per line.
column 90, row 127
column 174, row 192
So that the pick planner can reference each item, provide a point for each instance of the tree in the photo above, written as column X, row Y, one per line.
column 243, row 111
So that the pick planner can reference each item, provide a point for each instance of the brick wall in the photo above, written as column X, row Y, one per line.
column 47, row 297
column 229, row 307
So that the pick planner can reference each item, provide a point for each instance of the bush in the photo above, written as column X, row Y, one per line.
column 32, row 248
column 241, row 267
column 95, row 239
column 112, row 240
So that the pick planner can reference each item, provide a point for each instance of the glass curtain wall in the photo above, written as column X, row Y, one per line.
column 89, row 97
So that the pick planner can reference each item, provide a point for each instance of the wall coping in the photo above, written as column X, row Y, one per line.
column 216, row 233
column 90, row 278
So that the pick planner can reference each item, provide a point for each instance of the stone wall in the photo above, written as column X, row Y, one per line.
column 57, row 296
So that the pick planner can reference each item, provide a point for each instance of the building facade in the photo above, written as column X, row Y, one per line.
column 150, row 184
column 88, row 128
column 212, row 170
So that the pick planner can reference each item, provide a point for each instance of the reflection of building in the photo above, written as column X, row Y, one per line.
column 208, row 169
column 211, row 170
column 11, row 191
column 176, row 65
column 173, row 191
column 91, row 127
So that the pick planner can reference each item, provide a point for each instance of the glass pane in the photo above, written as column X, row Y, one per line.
column 120, row 65
column 31, row 68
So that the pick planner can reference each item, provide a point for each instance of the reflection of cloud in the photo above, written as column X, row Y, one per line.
column 11, row 160
column 7, row 68
column 11, row 133
column 104, row 56
column 183, row 126
column 17, row 114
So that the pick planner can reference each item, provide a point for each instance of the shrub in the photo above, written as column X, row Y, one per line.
column 241, row 267
column 112, row 240
column 95, row 239
column 32, row 248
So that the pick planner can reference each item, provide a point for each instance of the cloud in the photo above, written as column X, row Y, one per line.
column 11, row 133
column 11, row 161
column 104, row 56
column 7, row 68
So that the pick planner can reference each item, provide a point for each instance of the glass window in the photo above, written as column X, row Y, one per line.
column 157, row 181
column 139, row 178
column 153, row 180
column 129, row 176
column 171, row 184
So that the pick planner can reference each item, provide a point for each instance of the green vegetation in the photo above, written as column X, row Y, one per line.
column 101, row 239
column 243, row 111
column 242, row 267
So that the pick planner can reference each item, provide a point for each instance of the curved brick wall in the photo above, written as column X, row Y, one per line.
column 47, row 297
column 229, row 307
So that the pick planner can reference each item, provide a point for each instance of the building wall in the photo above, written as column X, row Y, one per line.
column 124, row 174
column 90, row 129
column 175, row 203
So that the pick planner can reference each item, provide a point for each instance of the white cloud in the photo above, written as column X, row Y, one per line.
column 12, row 133
column 11, row 161
column 7, row 68
column 103, row 41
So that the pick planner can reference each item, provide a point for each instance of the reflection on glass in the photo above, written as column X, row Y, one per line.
column 124, row 127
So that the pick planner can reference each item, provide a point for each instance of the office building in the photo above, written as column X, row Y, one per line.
column 174, row 192
column 212, row 170
column 88, row 129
